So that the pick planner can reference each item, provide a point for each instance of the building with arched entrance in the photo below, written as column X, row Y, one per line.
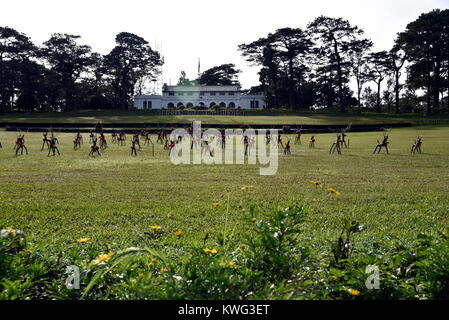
column 206, row 96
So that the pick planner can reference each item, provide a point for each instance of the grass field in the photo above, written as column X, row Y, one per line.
column 251, row 117
column 115, row 198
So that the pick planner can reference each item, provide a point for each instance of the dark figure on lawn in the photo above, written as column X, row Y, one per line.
column 383, row 144
column 137, row 140
column 121, row 138
column 20, row 144
column 103, row 143
column 336, row 146
column 287, row 148
column 268, row 137
column 298, row 137
column 53, row 147
column 312, row 142
column 170, row 146
column 114, row 137
column 416, row 147
column 344, row 141
column 94, row 148
column 45, row 141
column 147, row 139
column 91, row 137
column 134, row 141
column 77, row 141
column 280, row 141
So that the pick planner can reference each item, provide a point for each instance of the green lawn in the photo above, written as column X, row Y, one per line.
column 252, row 117
column 115, row 198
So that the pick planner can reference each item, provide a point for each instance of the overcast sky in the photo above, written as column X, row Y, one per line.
column 206, row 29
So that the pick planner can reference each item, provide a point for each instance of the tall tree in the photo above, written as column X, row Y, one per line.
column 359, row 65
column 380, row 68
column 335, row 38
column 397, row 59
column 261, row 53
column 292, row 45
column 15, row 47
column 426, row 44
column 68, row 59
column 131, row 59
column 222, row 75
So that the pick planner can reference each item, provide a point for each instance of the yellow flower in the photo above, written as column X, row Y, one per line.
column 254, row 219
column 243, row 246
column 103, row 258
column 317, row 183
column 155, row 228
column 354, row 292
column 210, row 251
column 154, row 260
column 81, row 240
column 28, row 251
column 11, row 230
column 164, row 270
column 141, row 275
column 178, row 233
column 216, row 205
column 247, row 187
column 231, row 263
column 331, row 190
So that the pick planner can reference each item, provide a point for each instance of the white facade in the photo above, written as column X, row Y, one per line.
column 192, row 96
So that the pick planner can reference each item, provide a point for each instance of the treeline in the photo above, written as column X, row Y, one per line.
column 63, row 75
column 308, row 68
column 300, row 69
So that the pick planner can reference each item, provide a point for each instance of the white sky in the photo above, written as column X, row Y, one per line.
column 208, row 29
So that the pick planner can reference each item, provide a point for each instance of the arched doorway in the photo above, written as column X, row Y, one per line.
column 189, row 105
column 170, row 105
column 212, row 104
column 179, row 104
column 222, row 104
column 231, row 105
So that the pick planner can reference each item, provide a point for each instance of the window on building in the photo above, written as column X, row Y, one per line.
column 180, row 93
column 144, row 104
column 256, row 105
column 149, row 104
column 213, row 93
column 231, row 93
column 171, row 93
column 251, row 104
column 190, row 93
column 222, row 93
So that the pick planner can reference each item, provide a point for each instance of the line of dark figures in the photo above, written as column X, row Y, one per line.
column 98, row 142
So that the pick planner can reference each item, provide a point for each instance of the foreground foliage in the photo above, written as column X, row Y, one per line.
column 268, row 262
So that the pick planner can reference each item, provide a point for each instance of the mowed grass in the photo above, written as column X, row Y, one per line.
column 269, row 117
column 115, row 198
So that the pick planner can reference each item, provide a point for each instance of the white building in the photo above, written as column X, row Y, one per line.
column 192, row 96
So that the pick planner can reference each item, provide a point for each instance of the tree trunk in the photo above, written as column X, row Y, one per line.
column 378, row 95
column 396, row 91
